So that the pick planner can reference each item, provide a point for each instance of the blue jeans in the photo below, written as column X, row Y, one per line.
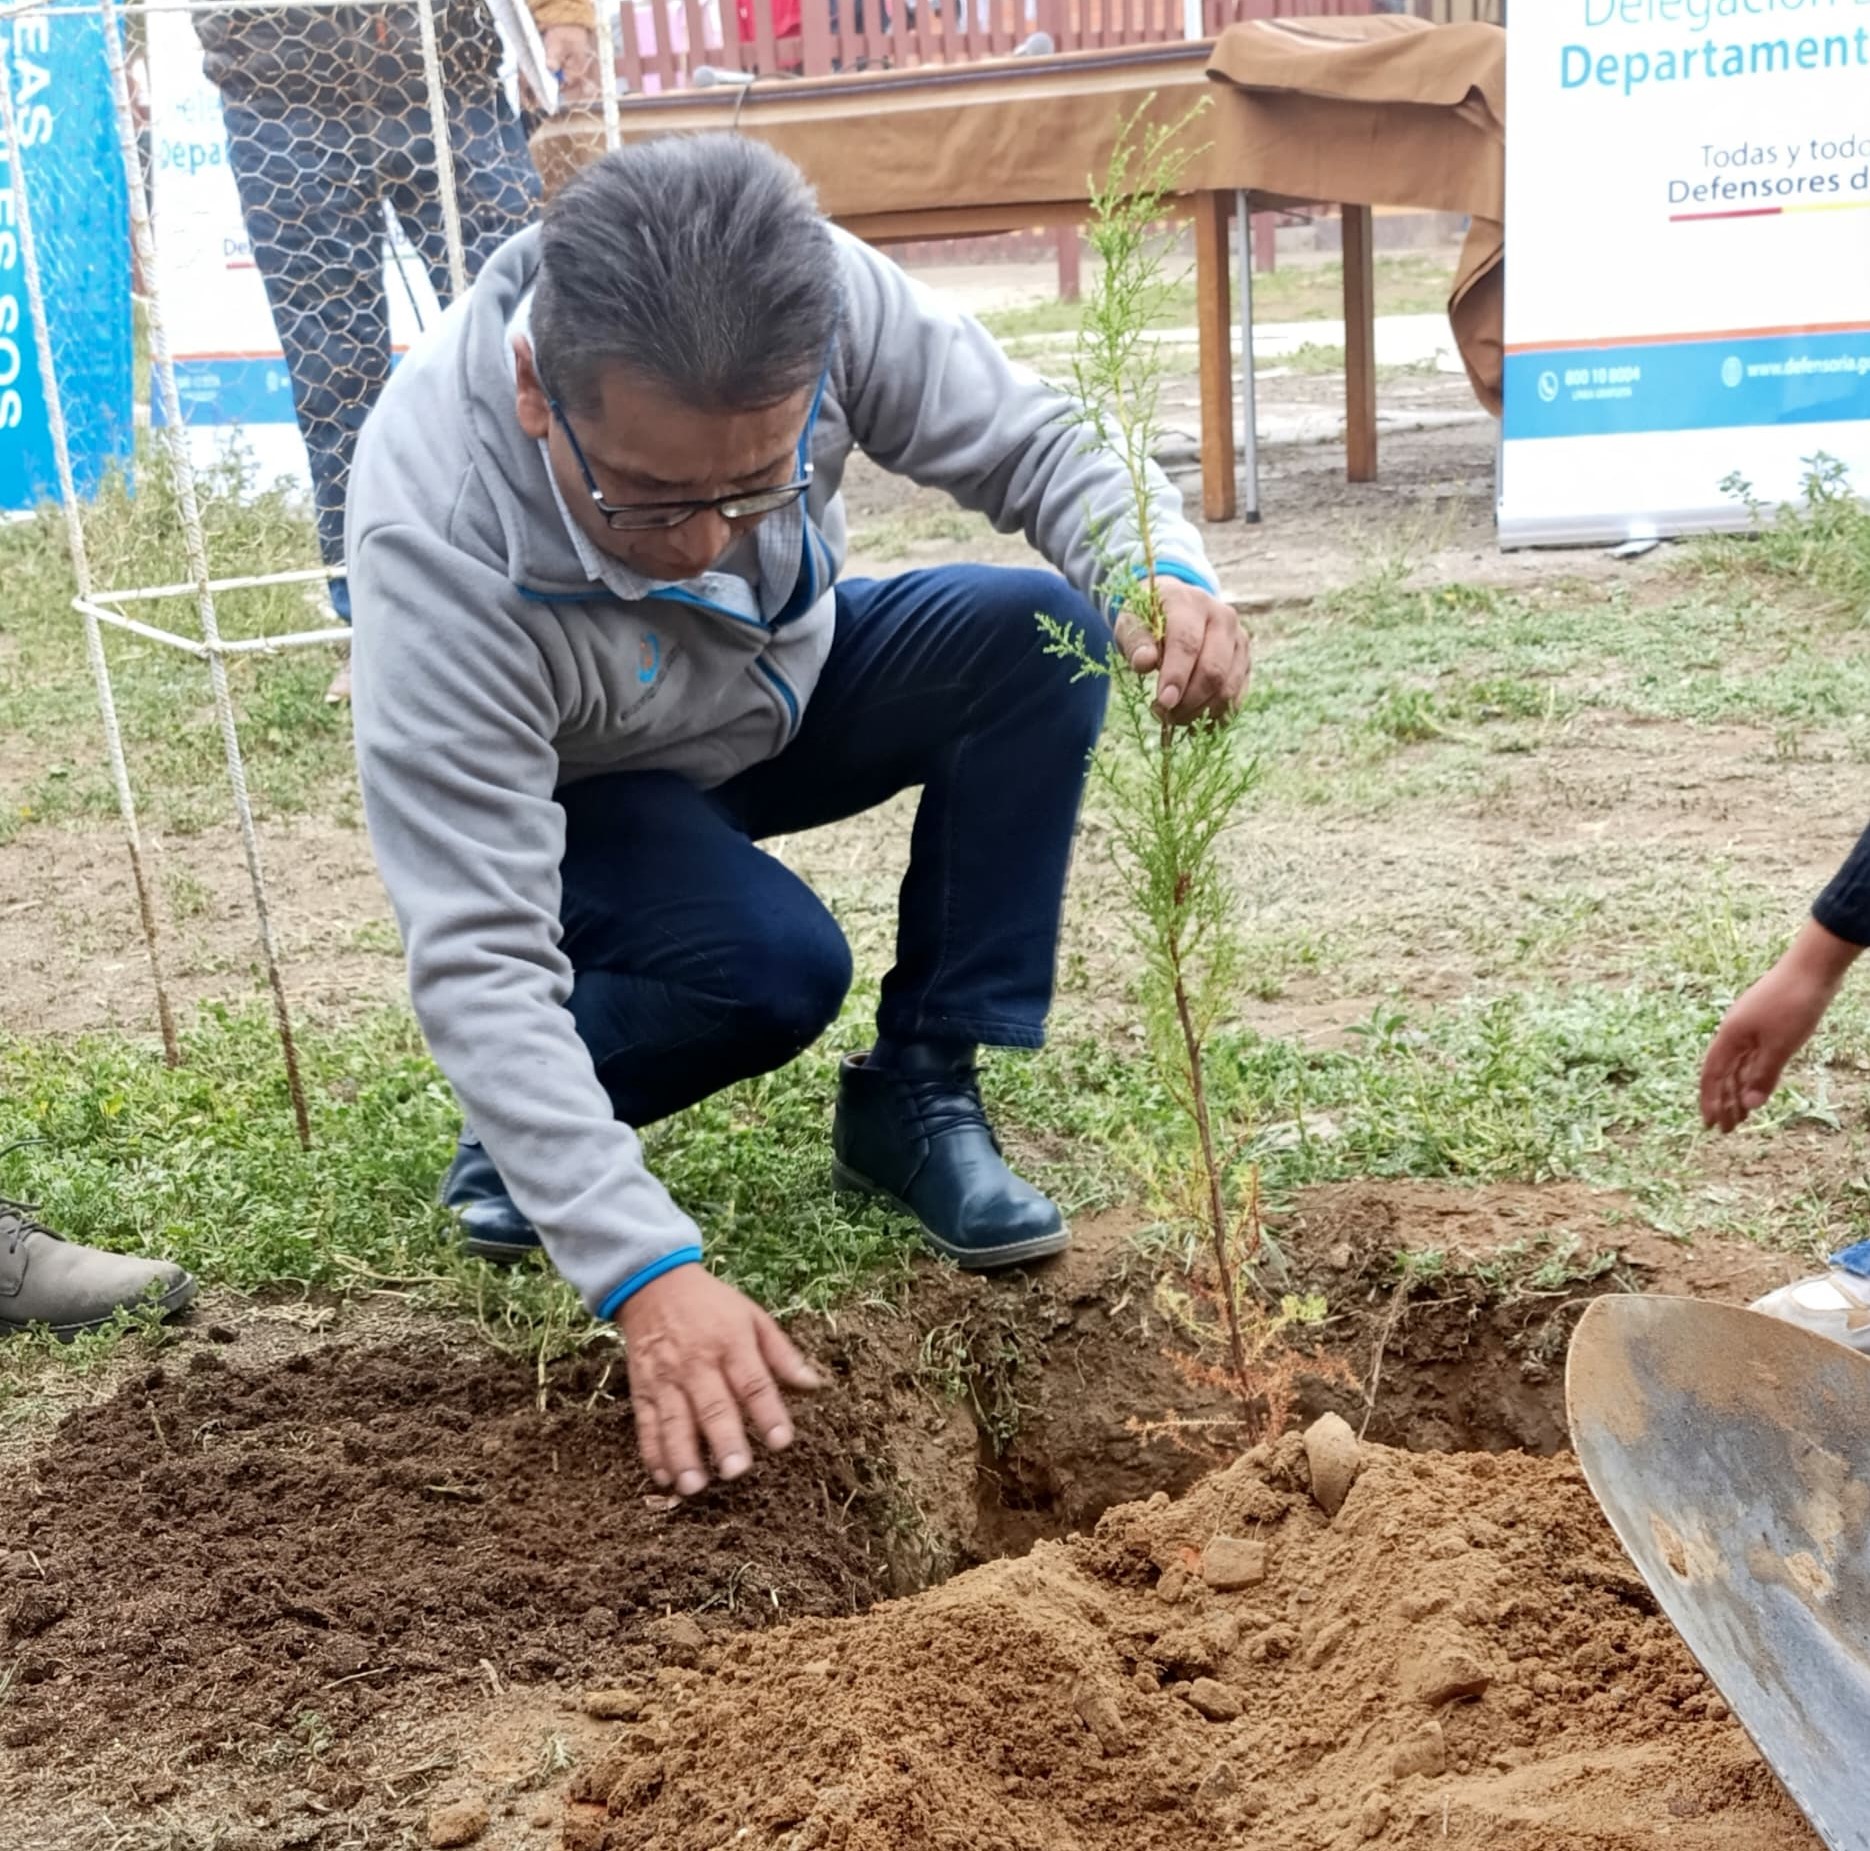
column 700, row 960
column 314, row 183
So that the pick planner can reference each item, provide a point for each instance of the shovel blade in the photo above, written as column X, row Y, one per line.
column 1731, row 1453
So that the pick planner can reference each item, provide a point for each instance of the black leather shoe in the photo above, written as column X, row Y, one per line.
column 492, row 1228
column 917, row 1135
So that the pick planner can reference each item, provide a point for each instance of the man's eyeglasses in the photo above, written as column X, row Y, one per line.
column 653, row 516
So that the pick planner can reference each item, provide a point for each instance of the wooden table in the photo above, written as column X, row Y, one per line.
column 969, row 150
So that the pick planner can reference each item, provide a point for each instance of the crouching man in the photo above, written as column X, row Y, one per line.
column 594, row 537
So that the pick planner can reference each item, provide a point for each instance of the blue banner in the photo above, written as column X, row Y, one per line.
column 233, row 389
column 80, row 205
column 1720, row 382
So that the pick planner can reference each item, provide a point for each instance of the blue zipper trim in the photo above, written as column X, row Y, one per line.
column 676, row 596
column 683, row 1256
column 1174, row 568
column 806, row 595
column 800, row 602
column 560, row 597
column 811, row 417
column 785, row 693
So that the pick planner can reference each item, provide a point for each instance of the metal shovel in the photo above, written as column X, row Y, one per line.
column 1731, row 1453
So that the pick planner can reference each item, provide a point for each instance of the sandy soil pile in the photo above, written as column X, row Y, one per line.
column 1461, row 1657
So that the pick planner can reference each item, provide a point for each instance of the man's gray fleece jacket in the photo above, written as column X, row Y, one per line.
column 492, row 667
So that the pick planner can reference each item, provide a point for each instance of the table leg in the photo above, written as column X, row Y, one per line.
column 1360, row 345
column 1212, row 294
column 1248, row 472
column 1070, row 266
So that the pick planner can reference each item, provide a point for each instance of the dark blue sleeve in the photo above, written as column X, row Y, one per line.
column 1844, row 907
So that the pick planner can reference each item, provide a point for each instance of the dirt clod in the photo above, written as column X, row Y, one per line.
column 1332, row 1453
column 680, row 1639
column 35, row 1610
column 1230, row 1563
column 1446, row 1674
column 459, row 1822
column 1424, row 1753
column 1098, row 1711
column 1216, row 1701
column 1329, row 1638
column 1218, row 1784
column 613, row 1705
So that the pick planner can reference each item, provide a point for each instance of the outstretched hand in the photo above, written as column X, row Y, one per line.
column 1768, row 1026
column 1205, row 656
column 701, row 1357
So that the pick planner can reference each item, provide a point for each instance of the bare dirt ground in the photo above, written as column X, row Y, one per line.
column 73, row 958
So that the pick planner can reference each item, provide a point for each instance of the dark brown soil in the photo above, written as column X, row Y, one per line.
column 292, row 1558
column 221, row 1550
column 239, row 1549
column 1454, row 1307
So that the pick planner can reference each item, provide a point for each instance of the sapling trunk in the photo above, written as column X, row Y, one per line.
column 1195, row 1054
column 1176, row 789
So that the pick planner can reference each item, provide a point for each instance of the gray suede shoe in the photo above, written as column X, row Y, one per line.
column 49, row 1281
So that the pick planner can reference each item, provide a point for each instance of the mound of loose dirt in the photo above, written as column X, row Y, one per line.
column 1461, row 1657
column 226, row 1547
column 218, row 1552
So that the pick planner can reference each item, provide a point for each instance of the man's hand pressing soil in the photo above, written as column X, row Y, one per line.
column 701, row 1356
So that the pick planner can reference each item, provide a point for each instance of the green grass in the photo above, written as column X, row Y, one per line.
column 1390, row 665
column 199, row 1163
column 297, row 749
column 1405, row 285
column 1822, row 547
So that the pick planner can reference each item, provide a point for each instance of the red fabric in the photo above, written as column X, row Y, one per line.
column 785, row 19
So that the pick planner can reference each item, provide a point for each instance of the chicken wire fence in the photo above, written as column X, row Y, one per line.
column 219, row 225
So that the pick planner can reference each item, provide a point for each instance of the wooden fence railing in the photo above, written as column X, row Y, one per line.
column 663, row 43
column 1461, row 12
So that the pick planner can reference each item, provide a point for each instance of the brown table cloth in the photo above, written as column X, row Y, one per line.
column 1382, row 111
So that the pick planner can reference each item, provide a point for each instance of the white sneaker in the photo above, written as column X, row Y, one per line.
column 1835, row 1304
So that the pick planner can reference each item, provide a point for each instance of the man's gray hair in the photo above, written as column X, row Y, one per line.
column 699, row 262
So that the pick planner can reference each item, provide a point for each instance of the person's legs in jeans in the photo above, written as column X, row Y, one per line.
column 700, row 960
column 497, row 191
column 314, row 222
column 943, row 679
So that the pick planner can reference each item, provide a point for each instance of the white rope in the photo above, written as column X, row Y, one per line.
column 244, row 646
column 304, row 575
column 98, row 613
column 182, row 462
column 81, row 564
column 605, row 17
column 444, row 149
